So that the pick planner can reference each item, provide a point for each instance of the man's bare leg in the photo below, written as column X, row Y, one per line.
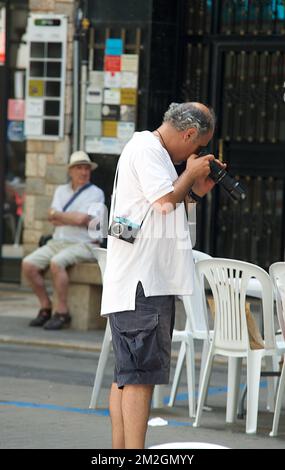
column 36, row 281
column 60, row 282
column 115, row 406
column 136, row 401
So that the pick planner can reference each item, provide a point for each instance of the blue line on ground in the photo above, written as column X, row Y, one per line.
column 172, row 422
column 211, row 391
column 43, row 406
column 105, row 412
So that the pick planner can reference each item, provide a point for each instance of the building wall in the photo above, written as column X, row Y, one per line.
column 46, row 161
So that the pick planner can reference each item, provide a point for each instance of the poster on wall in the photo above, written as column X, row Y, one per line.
column 111, row 101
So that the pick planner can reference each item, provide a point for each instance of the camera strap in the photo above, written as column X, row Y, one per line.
column 75, row 196
column 113, row 200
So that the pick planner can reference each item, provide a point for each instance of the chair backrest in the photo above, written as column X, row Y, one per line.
column 101, row 256
column 195, row 307
column 277, row 274
column 228, row 280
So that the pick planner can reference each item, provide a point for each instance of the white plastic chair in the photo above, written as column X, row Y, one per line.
column 277, row 274
column 101, row 255
column 196, row 327
column 228, row 280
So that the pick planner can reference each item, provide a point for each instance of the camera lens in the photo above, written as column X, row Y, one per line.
column 233, row 187
column 117, row 229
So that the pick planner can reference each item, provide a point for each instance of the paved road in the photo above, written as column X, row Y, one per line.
column 45, row 393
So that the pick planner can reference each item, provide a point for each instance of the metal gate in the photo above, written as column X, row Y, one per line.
column 235, row 60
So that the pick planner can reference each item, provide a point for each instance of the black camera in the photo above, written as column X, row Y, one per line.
column 232, row 186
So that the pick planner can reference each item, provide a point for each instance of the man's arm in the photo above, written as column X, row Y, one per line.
column 68, row 218
column 197, row 169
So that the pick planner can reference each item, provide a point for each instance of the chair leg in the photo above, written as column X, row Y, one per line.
column 190, row 368
column 106, row 346
column 271, row 365
column 177, row 374
column 205, row 352
column 253, row 382
column 157, row 397
column 204, row 388
column 234, row 371
column 278, row 403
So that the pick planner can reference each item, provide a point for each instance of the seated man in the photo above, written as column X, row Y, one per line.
column 70, row 242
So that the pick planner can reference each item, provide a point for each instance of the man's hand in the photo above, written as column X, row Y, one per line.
column 195, row 177
column 199, row 167
column 204, row 183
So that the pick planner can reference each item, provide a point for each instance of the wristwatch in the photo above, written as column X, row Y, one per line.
column 194, row 196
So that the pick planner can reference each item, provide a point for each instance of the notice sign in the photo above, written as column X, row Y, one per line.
column 114, row 47
column 94, row 95
column 112, row 63
column 15, row 131
column 130, row 63
column 129, row 96
column 36, row 88
column 112, row 80
column 16, row 110
column 34, row 126
column 35, row 107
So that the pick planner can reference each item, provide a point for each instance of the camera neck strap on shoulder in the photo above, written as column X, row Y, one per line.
column 113, row 199
column 75, row 196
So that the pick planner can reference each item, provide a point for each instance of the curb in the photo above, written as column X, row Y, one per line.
column 93, row 347
column 79, row 346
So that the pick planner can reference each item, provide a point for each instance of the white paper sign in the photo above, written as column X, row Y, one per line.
column 112, row 79
column 112, row 96
column 111, row 145
column 96, row 78
column 35, row 107
column 94, row 94
column 130, row 63
column 125, row 130
column 33, row 126
column 93, row 145
column 93, row 128
column 129, row 80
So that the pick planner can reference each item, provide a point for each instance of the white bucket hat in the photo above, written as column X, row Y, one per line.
column 81, row 158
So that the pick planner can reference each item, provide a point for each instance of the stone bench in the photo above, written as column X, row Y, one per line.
column 84, row 296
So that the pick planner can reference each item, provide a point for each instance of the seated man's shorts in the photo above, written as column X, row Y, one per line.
column 142, row 340
column 62, row 253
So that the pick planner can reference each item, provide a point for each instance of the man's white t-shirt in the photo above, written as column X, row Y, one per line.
column 63, row 193
column 161, row 257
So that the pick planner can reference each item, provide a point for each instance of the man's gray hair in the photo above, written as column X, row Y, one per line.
column 182, row 116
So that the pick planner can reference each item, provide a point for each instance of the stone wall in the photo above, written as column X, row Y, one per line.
column 46, row 161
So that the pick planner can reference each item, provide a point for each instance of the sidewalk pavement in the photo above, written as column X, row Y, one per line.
column 18, row 305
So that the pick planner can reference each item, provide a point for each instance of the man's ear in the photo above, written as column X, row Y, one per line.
column 190, row 134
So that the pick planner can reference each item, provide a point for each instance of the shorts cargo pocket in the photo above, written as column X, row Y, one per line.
column 137, row 335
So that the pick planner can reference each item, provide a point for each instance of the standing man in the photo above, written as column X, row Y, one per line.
column 70, row 243
column 142, row 279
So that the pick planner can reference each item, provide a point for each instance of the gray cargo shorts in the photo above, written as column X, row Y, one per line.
column 142, row 340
